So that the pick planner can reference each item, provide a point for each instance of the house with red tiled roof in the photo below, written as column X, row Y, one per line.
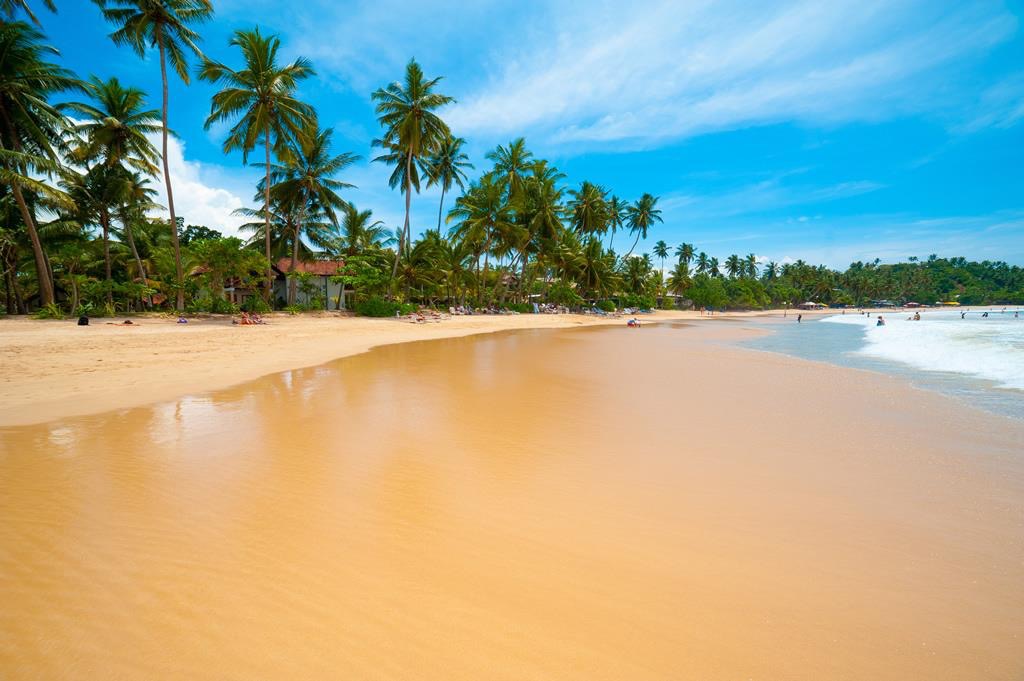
column 317, row 284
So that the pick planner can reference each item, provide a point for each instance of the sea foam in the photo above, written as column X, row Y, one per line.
column 989, row 348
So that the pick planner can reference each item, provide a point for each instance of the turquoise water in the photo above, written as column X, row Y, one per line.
column 974, row 359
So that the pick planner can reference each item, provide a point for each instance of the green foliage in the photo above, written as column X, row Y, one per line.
column 606, row 305
column 375, row 306
column 194, row 233
column 49, row 311
column 708, row 291
column 522, row 308
column 643, row 302
column 256, row 304
column 563, row 294
column 366, row 274
column 222, row 306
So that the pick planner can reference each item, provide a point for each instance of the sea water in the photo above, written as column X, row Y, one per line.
column 977, row 359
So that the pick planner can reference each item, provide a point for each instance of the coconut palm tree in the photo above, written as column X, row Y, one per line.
column 641, row 217
column 616, row 217
column 661, row 250
column 733, row 266
column 750, row 263
column 260, row 100
column 589, row 214
column 412, row 131
column 9, row 8
column 684, row 253
column 445, row 168
column 771, row 271
column 358, row 233
column 29, row 128
column 511, row 166
column 680, row 279
column 163, row 24
column 702, row 263
column 304, row 179
column 483, row 216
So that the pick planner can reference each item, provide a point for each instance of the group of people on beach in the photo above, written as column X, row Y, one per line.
column 248, row 319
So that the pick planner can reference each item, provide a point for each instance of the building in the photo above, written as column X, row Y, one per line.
column 320, row 285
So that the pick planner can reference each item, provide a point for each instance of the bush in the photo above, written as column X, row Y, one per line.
column 49, row 311
column 376, row 306
column 606, row 306
column 221, row 306
column 256, row 304
column 667, row 303
column 642, row 302
column 522, row 308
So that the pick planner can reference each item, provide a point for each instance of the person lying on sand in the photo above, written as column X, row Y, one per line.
column 126, row 322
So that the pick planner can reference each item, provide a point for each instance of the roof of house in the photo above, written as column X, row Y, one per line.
column 324, row 268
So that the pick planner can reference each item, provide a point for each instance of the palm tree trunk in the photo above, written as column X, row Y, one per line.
column 135, row 251
column 42, row 271
column 179, row 302
column 631, row 248
column 105, row 224
column 266, row 216
column 294, row 284
column 440, row 210
column 402, row 239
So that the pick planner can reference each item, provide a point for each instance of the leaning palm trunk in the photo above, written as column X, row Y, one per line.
column 135, row 251
column 440, row 209
column 42, row 270
column 179, row 302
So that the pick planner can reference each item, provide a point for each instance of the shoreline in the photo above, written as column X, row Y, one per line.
column 57, row 371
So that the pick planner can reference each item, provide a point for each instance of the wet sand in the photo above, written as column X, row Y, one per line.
column 596, row 503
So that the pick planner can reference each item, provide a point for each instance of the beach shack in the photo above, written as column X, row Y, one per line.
column 319, row 284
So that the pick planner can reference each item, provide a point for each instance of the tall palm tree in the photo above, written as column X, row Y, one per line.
column 641, row 217
column 9, row 8
column 445, row 168
column 260, row 99
column 703, row 263
column 412, row 130
column 661, row 250
column 29, row 128
column 751, row 265
column 305, row 180
column 616, row 217
column 163, row 24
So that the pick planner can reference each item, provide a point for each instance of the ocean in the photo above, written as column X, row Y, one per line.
column 979, row 360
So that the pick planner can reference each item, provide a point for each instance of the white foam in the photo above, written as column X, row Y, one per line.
column 991, row 349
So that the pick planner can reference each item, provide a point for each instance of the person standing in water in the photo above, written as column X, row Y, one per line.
column 799, row 318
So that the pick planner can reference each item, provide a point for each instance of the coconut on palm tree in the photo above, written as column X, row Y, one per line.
column 684, row 253
column 29, row 125
column 445, row 168
column 163, row 24
column 260, row 100
column 412, row 131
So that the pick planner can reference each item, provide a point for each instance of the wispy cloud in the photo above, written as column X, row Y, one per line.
column 663, row 71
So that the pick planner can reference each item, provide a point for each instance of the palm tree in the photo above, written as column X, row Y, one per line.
column 679, row 280
column 483, row 217
column 8, row 8
column 511, row 164
column 412, row 130
column 445, row 168
column 616, row 217
column 30, row 127
column 163, row 24
column 751, row 265
column 589, row 214
column 733, row 266
column 305, row 181
column 702, row 263
column 713, row 268
column 642, row 215
column 661, row 250
column 771, row 271
column 684, row 253
column 358, row 233
column 260, row 99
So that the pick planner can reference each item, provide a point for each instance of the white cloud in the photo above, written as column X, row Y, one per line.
column 668, row 70
column 204, row 194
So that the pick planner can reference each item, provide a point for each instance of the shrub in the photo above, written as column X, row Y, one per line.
column 522, row 308
column 222, row 306
column 606, row 306
column 49, row 311
column 375, row 306
column 295, row 309
column 642, row 302
column 256, row 304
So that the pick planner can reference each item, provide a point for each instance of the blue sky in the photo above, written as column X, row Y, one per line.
column 830, row 132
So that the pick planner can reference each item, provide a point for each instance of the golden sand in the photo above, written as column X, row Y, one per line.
column 583, row 504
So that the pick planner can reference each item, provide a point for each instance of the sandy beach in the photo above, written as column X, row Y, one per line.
column 597, row 503
column 54, row 369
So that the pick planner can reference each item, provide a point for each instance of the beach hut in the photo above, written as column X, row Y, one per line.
column 322, row 271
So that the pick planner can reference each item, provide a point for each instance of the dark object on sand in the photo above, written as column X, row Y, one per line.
column 83, row 321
